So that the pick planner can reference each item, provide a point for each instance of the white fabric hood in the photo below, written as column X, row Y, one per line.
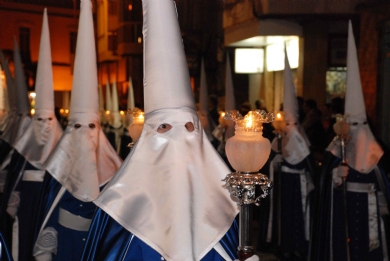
column 43, row 133
column 362, row 152
column 203, row 113
column 83, row 159
column 169, row 191
column 295, row 146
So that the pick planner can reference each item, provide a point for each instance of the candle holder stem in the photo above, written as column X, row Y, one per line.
column 242, row 186
column 245, row 249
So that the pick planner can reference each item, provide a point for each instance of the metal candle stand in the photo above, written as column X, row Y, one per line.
column 242, row 188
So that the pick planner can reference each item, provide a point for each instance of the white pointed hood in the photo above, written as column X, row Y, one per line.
column 295, row 147
column 130, row 105
column 177, row 174
column 11, row 123
column 230, row 103
column 115, row 115
column 22, row 119
column 130, row 96
column 108, row 97
column 44, row 132
column 84, row 160
column 3, row 102
column 204, row 117
column 363, row 152
column 3, row 93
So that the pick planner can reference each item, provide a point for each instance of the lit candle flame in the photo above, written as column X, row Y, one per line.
column 278, row 116
column 32, row 111
column 122, row 112
column 107, row 112
column 141, row 116
column 62, row 111
column 66, row 111
column 249, row 123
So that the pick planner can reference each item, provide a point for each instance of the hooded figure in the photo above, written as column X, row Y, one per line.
column 367, row 187
column 5, row 139
column 3, row 103
column 126, row 139
column 166, row 201
column 115, row 128
column 20, row 122
column 82, row 162
column 32, row 149
column 204, row 116
column 225, row 129
column 286, row 222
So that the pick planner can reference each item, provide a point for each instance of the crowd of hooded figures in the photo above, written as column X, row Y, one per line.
column 71, row 188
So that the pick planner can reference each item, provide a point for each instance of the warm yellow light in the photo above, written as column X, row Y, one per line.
column 62, row 110
column 107, row 112
column 122, row 112
column 130, row 7
column 223, row 114
column 32, row 111
column 33, row 95
column 248, row 123
column 279, row 116
column 66, row 111
column 140, row 39
column 141, row 116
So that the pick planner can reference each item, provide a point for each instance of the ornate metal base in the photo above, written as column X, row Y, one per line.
column 242, row 186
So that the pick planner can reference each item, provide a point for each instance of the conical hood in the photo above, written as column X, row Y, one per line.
column 165, row 65
column 83, row 159
column 354, row 100
column 3, row 92
column 363, row 152
column 116, row 117
column 290, row 103
column 108, row 97
column 199, row 211
column 101, row 98
column 84, row 97
column 44, row 80
column 115, row 105
column 130, row 96
column 295, row 146
column 230, row 103
column 9, row 82
column 23, row 105
column 203, row 95
column 42, row 134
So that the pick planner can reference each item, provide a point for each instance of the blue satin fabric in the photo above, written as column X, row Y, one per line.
column 109, row 241
column 5, row 254
column 6, row 220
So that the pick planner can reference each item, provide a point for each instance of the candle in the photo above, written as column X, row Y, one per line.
column 135, row 128
column 248, row 150
column 279, row 123
column 341, row 127
column 221, row 119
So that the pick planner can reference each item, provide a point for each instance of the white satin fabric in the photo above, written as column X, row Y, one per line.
column 40, row 138
column 83, row 159
column 295, row 148
column 16, row 127
column 363, row 152
column 169, row 191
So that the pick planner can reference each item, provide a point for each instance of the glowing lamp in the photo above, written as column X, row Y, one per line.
column 248, row 150
column 32, row 112
column 136, row 126
column 341, row 127
column 279, row 123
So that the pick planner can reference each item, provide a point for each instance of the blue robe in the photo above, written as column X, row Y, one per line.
column 70, row 241
column 328, row 236
column 283, row 222
column 27, row 213
column 6, row 221
column 109, row 241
